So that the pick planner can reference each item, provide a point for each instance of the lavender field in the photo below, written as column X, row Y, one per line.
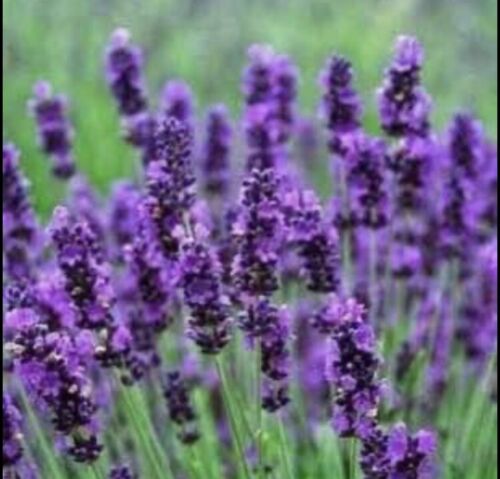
column 298, row 282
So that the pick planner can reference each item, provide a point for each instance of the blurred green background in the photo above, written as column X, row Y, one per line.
column 204, row 42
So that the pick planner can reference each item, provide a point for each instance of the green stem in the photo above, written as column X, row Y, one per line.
column 258, row 403
column 353, row 459
column 48, row 453
column 148, row 440
column 226, row 393
column 284, row 446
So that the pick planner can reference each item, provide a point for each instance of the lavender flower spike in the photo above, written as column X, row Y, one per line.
column 352, row 368
column 404, row 105
column 21, row 236
column 124, row 66
column 55, row 133
column 209, row 324
column 341, row 105
column 177, row 101
column 179, row 406
column 215, row 157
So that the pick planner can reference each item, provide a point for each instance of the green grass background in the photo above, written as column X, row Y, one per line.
column 204, row 42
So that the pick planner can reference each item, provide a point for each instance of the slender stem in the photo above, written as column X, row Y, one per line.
column 285, row 449
column 232, row 420
column 353, row 459
column 258, row 403
column 48, row 453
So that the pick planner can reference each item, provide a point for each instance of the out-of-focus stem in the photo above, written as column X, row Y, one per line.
column 229, row 404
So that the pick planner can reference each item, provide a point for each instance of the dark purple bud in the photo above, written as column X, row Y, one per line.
column 124, row 74
column 177, row 101
column 55, row 133
column 215, row 156
column 341, row 105
column 180, row 409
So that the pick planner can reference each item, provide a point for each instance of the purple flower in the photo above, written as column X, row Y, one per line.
column 55, row 133
column 258, row 76
column 284, row 96
column 12, row 434
column 341, row 105
column 177, row 101
column 257, row 233
column 465, row 144
column 122, row 213
column 411, row 457
column 215, row 157
column 21, row 235
column 404, row 105
column 367, row 186
column 53, row 366
column 180, row 409
column 352, row 366
column 124, row 74
column 121, row 472
column 209, row 323
column 84, row 203
column 169, row 182
column 317, row 242
column 275, row 355
column 87, row 280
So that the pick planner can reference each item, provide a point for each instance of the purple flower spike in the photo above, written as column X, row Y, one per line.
column 341, row 105
column 122, row 213
column 177, row 101
column 21, row 235
column 11, row 436
column 124, row 65
column 87, row 280
column 258, row 235
column 53, row 366
column 411, row 457
column 404, row 105
column 352, row 368
column 368, row 189
column 169, row 182
column 179, row 406
column 316, row 241
column 55, row 133
column 209, row 324
column 258, row 76
column 285, row 94
column 215, row 157
column 275, row 356
column 465, row 144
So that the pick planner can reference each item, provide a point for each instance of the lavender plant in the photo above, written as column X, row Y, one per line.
column 180, row 330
